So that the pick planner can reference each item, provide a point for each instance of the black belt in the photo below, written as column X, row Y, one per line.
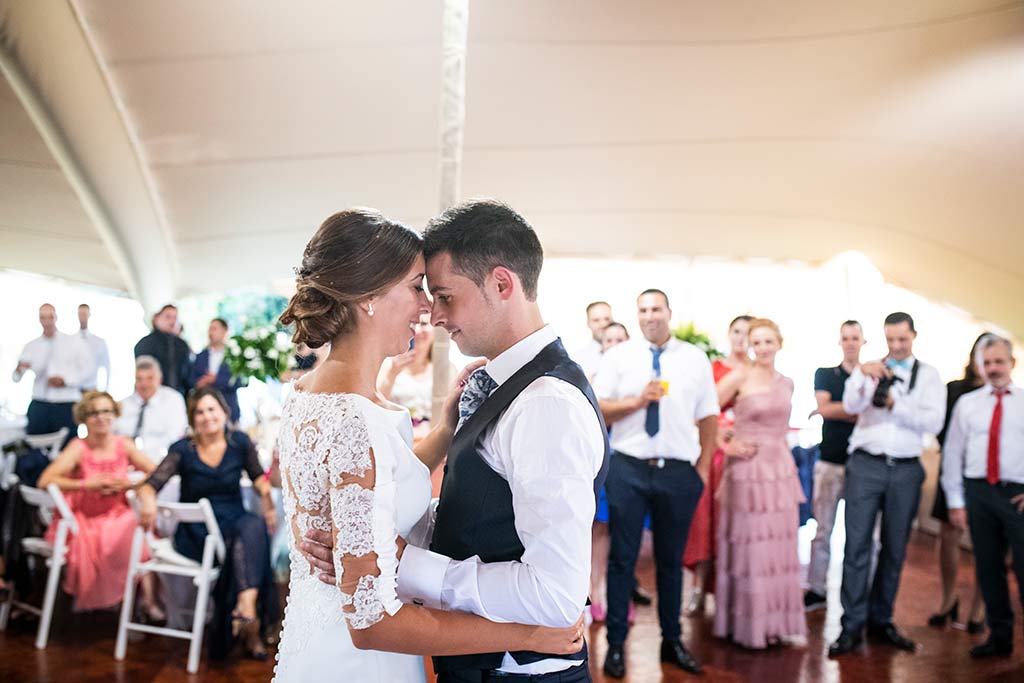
column 657, row 463
column 1001, row 483
column 889, row 459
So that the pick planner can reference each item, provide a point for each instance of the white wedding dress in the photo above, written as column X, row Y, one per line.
column 347, row 467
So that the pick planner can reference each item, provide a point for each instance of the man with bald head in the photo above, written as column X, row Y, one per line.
column 62, row 365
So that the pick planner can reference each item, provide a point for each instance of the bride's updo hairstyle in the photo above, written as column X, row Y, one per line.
column 355, row 255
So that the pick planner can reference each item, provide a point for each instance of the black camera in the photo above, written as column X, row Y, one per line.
column 882, row 390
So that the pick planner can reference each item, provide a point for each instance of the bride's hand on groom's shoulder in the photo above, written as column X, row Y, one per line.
column 557, row 641
column 451, row 402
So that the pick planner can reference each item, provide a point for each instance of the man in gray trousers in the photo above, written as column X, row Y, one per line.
column 897, row 400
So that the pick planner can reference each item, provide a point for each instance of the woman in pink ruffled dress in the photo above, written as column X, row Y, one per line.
column 758, row 599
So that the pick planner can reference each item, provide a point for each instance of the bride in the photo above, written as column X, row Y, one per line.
column 348, row 468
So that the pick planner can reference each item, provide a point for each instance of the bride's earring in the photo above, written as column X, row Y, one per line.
column 369, row 310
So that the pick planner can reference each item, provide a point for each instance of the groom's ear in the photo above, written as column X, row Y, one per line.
column 505, row 281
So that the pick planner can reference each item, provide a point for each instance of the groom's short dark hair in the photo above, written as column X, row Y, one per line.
column 483, row 234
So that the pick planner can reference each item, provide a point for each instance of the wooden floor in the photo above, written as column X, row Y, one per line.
column 81, row 647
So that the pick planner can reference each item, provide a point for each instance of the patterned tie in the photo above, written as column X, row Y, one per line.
column 653, row 422
column 992, row 475
column 479, row 386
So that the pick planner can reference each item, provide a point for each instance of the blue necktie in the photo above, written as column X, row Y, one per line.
column 479, row 386
column 892, row 363
column 653, row 422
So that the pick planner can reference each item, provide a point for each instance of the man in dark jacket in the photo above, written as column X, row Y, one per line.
column 170, row 350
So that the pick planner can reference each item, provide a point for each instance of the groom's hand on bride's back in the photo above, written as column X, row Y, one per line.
column 318, row 549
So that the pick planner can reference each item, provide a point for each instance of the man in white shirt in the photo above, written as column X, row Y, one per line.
column 897, row 401
column 659, row 396
column 62, row 364
column 983, row 476
column 511, row 539
column 98, row 347
column 155, row 414
column 599, row 316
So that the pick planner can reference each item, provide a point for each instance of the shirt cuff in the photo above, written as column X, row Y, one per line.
column 421, row 577
column 955, row 499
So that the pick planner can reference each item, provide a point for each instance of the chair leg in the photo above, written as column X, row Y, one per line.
column 129, row 596
column 5, row 608
column 198, row 623
column 52, row 582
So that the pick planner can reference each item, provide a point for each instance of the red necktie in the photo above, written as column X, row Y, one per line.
column 992, row 474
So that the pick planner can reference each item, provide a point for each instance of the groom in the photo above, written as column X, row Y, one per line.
column 511, row 540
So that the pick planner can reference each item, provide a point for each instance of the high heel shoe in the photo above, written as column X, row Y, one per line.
column 248, row 629
column 975, row 627
column 940, row 619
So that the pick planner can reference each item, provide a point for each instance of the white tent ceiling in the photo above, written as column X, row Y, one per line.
column 215, row 136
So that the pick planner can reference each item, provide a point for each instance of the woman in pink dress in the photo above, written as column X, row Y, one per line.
column 701, row 545
column 758, row 599
column 93, row 475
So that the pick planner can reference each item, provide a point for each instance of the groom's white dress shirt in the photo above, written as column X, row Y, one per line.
column 549, row 446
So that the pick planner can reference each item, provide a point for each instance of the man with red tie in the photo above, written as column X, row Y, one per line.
column 983, row 476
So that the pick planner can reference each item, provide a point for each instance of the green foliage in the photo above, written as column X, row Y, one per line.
column 689, row 333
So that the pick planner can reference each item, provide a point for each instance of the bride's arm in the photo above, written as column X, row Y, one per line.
column 365, row 561
column 434, row 446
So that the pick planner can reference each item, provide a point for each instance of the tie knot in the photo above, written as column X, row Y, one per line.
column 482, row 381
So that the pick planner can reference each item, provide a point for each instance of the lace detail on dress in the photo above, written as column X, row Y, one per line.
column 356, row 536
column 329, row 472
column 366, row 603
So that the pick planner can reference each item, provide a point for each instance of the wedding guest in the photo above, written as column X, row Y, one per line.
column 897, row 401
column 98, row 347
column 830, row 470
column 154, row 415
column 758, row 601
column 702, row 545
column 949, row 534
column 613, row 335
column 93, row 475
column 169, row 349
column 599, row 316
column 983, row 476
column 652, row 392
column 408, row 378
column 209, row 369
column 62, row 365
column 210, row 464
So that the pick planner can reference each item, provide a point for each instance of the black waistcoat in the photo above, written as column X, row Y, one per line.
column 475, row 515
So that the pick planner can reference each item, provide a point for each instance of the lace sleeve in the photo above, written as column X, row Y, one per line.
column 362, row 514
column 250, row 457
column 168, row 467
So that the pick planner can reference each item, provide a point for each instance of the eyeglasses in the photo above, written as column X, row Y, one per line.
column 105, row 412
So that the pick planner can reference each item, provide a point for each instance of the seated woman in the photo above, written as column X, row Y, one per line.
column 210, row 464
column 93, row 475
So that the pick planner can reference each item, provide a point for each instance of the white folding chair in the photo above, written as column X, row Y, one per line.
column 55, row 554
column 7, row 477
column 165, row 560
column 48, row 443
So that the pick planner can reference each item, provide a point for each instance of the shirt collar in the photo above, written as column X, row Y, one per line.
column 519, row 354
column 1010, row 388
column 670, row 344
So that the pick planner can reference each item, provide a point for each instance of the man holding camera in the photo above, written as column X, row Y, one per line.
column 897, row 400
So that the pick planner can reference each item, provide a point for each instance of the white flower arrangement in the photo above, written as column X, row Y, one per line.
column 261, row 353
